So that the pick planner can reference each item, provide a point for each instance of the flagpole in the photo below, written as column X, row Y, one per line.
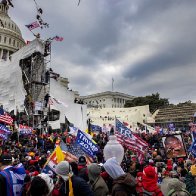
column 112, row 84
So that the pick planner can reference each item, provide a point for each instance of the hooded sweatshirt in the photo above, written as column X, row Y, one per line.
column 98, row 185
column 113, row 168
column 123, row 184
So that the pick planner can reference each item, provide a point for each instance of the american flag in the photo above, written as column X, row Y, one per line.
column 57, row 38
column 5, row 118
column 33, row 25
column 73, row 152
column 130, row 140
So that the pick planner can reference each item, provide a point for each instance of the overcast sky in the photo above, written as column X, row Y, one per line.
column 147, row 46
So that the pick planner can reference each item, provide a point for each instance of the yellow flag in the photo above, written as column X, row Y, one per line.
column 70, row 187
column 59, row 154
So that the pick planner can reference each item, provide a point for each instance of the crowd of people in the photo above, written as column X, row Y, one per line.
column 22, row 161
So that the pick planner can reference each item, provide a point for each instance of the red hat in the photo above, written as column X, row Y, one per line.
column 180, row 160
column 169, row 167
column 150, row 172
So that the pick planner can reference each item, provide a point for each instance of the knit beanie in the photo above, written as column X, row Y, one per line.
column 150, row 172
column 94, row 171
column 193, row 170
column 64, row 169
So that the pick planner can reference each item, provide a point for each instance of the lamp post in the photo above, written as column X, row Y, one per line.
column 113, row 149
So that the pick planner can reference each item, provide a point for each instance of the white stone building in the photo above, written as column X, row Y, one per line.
column 106, row 99
column 10, row 35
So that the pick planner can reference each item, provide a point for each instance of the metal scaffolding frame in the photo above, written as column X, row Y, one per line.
column 36, row 83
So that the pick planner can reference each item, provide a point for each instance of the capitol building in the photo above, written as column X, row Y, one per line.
column 10, row 35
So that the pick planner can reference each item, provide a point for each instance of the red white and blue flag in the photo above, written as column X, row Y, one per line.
column 57, row 38
column 5, row 118
column 33, row 25
column 130, row 140
column 25, row 130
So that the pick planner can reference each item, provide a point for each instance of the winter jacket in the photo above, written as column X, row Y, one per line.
column 99, row 187
column 142, row 190
column 124, row 185
column 190, row 183
column 80, row 187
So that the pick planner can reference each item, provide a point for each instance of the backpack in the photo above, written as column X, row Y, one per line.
column 171, row 192
column 142, row 192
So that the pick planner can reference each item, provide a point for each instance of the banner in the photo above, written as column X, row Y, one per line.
column 174, row 146
column 4, row 132
column 87, row 145
column 25, row 130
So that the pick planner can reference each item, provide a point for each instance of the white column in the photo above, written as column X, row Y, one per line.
column 1, row 52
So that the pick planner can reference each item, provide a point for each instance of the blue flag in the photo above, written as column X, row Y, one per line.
column 95, row 128
column 5, row 129
column 193, row 149
column 87, row 145
column 4, row 132
column 122, row 129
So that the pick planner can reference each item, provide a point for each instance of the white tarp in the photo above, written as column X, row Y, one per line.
column 75, row 113
column 12, row 92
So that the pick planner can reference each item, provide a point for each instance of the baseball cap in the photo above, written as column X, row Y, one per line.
column 82, row 160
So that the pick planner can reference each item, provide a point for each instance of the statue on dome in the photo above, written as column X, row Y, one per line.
column 7, row 2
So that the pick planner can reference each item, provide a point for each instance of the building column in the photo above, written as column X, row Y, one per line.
column 8, row 55
column 1, row 53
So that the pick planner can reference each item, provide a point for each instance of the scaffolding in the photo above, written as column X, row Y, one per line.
column 36, row 81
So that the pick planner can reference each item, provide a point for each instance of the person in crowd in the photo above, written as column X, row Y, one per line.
column 123, row 183
column 74, row 167
column 98, row 185
column 187, row 165
column 41, row 185
column 69, row 184
column 149, row 182
column 133, row 168
column 176, row 188
column 190, row 180
column 82, row 168
column 172, row 186
column 11, row 178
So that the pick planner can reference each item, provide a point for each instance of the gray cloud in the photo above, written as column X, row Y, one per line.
column 147, row 46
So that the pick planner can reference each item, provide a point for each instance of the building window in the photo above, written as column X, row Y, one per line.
column 14, row 43
column 10, row 40
column 5, row 39
column 0, row 38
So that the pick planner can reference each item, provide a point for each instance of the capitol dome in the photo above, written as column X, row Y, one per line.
column 10, row 35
